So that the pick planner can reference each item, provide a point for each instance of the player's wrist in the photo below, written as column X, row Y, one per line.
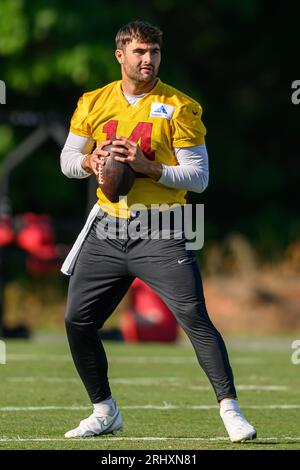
column 85, row 163
column 153, row 170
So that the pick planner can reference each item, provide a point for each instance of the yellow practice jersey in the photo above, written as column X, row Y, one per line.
column 161, row 120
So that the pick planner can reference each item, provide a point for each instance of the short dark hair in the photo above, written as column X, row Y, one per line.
column 139, row 30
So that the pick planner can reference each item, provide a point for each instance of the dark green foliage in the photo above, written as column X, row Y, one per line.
column 237, row 58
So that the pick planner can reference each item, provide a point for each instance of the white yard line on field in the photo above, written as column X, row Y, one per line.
column 164, row 406
column 122, row 381
column 254, row 388
column 19, row 357
column 150, row 381
column 138, row 438
column 263, row 388
column 42, row 379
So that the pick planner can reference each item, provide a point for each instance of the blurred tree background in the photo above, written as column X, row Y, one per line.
column 237, row 58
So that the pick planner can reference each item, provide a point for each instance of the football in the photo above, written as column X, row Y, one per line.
column 115, row 178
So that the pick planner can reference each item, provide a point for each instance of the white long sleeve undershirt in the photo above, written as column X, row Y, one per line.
column 75, row 148
column 191, row 173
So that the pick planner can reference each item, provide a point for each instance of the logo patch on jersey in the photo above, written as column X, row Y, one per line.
column 162, row 110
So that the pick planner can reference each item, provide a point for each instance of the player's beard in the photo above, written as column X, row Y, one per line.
column 137, row 76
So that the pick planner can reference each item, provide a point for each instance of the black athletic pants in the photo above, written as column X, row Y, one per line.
column 103, row 273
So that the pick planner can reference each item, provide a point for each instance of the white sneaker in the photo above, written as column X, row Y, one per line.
column 95, row 425
column 238, row 428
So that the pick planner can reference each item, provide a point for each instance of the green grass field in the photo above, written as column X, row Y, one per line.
column 164, row 397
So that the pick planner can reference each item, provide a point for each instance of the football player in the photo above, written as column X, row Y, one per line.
column 162, row 136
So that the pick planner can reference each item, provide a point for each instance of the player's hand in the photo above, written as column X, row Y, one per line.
column 92, row 161
column 133, row 154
